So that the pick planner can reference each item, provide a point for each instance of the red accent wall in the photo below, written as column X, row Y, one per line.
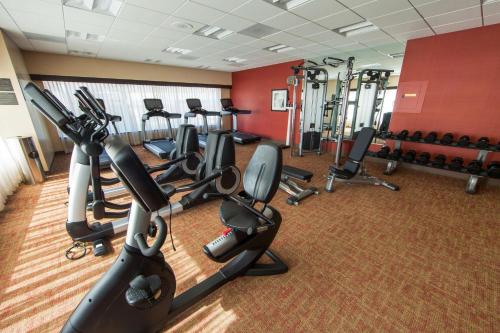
column 463, row 94
column 251, row 90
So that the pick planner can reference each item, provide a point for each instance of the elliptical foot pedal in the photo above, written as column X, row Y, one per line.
column 99, row 247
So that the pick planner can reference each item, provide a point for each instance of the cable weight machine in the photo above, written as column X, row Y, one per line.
column 313, row 79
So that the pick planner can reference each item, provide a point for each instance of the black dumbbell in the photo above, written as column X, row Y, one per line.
column 416, row 136
column 383, row 152
column 447, row 139
column 483, row 143
column 402, row 135
column 409, row 156
column 464, row 141
column 475, row 167
column 456, row 164
column 395, row 155
column 439, row 161
column 386, row 135
column 494, row 169
column 431, row 137
column 423, row 158
column 497, row 146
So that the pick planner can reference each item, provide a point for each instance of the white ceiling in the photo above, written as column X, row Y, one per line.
column 143, row 28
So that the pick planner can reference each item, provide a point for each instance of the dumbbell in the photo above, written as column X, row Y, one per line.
column 439, row 161
column 464, row 141
column 423, row 158
column 395, row 155
column 402, row 135
column 416, row 136
column 447, row 139
column 497, row 146
column 494, row 169
column 483, row 143
column 431, row 137
column 456, row 164
column 475, row 167
column 383, row 152
column 409, row 156
column 386, row 135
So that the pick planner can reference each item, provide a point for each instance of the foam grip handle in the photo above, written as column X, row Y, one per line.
column 149, row 251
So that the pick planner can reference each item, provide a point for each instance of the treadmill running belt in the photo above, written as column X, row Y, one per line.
column 160, row 148
column 243, row 138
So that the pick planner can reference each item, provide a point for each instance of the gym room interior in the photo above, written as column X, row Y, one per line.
column 249, row 166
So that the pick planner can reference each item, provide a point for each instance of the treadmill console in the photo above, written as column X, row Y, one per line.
column 153, row 104
column 194, row 104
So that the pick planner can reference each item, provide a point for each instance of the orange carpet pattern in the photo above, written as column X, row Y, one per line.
column 362, row 259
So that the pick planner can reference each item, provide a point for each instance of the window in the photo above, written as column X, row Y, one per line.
column 10, row 168
column 126, row 100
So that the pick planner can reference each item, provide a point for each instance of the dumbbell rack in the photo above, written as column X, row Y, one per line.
column 473, row 180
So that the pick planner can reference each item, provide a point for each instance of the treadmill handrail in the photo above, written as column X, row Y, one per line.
column 160, row 113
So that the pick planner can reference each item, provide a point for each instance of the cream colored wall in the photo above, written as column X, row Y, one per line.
column 21, row 119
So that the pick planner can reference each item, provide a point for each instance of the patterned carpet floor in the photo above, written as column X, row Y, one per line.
column 361, row 259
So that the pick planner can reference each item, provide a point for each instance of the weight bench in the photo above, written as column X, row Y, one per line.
column 354, row 171
column 288, row 185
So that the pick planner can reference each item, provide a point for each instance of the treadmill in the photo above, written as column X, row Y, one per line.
column 162, row 148
column 195, row 109
column 238, row 137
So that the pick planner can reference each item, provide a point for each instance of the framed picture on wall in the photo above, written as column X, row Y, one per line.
column 279, row 98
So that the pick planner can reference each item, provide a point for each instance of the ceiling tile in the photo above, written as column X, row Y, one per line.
column 317, row 9
column 326, row 36
column 491, row 8
column 354, row 3
column 418, row 3
column 492, row 19
column 142, row 15
column 50, row 47
column 83, row 45
column 379, row 41
column 233, row 23
column 441, row 7
column 403, row 16
column 257, row 11
column 193, row 42
column 403, row 37
column 406, row 27
column 85, row 28
column 21, row 41
column 155, row 43
column 238, row 39
column 40, row 7
column 163, row 6
column 133, row 27
column 168, row 34
column 455, row 16
column 125, row 36
column 306, row 29
column 30, row 22
column 281, row 37
column 456, row 26
column 198, row 13
column 260, row 44
column 377, row 34
column 390, row 48
column 339, row 20
column 381, row 7
column 222, row 5
column 86, row 17
column 284, row 21
column 300, row 43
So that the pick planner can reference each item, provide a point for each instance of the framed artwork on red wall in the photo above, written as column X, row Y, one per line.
column 279, row 98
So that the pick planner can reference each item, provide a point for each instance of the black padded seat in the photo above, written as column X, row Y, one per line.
column 356, row 155
column 235, row 216
column 342, row 174
column 297, row 173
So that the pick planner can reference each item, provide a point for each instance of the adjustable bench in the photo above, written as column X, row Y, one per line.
column 297, row 193
column 353, row 171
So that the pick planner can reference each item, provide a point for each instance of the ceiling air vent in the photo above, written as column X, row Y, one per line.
column 84, row 36
column 213, row 32
column 6, row 85
column 7, row 96
column 258, row 31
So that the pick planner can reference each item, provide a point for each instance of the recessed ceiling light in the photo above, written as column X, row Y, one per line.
column 356, row 29
column 182, row 25
column 106, row 7
column 279, row 48
column 213, row 32
column 204, row 67
column 234, row 60
column 176, row 50
column 396, row 55
column 287, row 4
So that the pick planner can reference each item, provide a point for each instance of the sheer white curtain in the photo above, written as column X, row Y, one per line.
column 10, row 170
column 126, row 100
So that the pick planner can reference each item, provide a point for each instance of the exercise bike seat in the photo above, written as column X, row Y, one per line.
column 297, row 173
column 237, row 217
